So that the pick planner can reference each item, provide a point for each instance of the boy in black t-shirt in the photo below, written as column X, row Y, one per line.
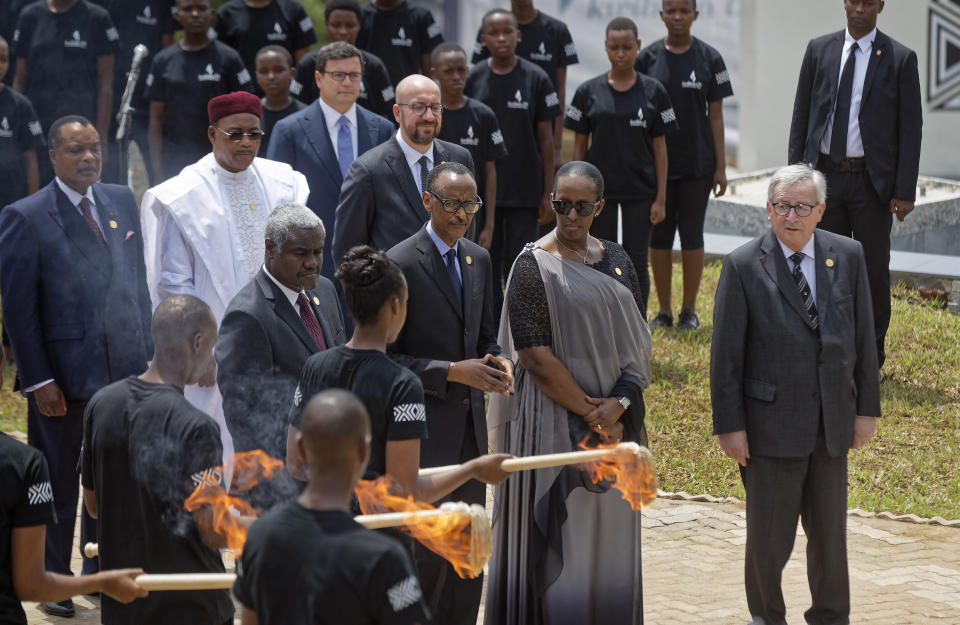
column 307, row 561
column 525, row 103
column 400, row 34
column 20, row 138
column 182, row 79
column 342, row 19
column 274, row 75
column 249, row 25
column 9, row 13
column 472, row 124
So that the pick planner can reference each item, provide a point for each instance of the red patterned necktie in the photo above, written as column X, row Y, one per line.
column 88, row 216
column 310, row 320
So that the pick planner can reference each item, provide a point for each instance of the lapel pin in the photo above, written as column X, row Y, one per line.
column 316, row 300
column 619, row 272
column 253, row 206
column 113, row 224
column 879, row 52
column 469, row 260
column 829, row 262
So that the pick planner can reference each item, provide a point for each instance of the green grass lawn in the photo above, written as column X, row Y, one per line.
column 912, row 465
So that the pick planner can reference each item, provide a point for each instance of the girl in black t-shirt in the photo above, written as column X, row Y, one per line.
column 625, row 116
column 274, row 74
column 376, row 294
column 696, row 80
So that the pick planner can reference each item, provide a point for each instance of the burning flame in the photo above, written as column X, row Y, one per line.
column 224, row 511
column 452, row 536
column 630, row 473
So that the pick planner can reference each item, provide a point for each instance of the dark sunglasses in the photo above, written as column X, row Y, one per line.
column 563, row 207
column 452, row 206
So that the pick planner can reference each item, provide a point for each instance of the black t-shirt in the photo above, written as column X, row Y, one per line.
column 270, row 119
column 693, row 79
column 185, row 82
column 26, row 500
column 320, row 567
column 475, row 127
column 393, row 395
column 520, row 100
column 145, row 449
column 376, row 90
column 399, row 36
column 9, row 13
column 61, row 52
column 137, row 21
column 622, row 126
column 545, row 41
column 246, row 29
column 19, row 131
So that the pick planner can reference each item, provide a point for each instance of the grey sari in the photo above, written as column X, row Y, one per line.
column 567, row 551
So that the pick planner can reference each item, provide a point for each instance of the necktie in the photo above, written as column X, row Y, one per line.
column 310, row 320
column 804, row 289
column 451, row 260
column 88, row 217
column 423, row 173
column 344, row 145
column 841, row 115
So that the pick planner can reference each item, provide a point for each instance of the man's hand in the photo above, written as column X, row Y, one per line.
column 901, row 208
column 546, row 210
column 734, row 444
column 487, row 469
column 482, row 374
column 485, row 239
column 505, row 365
column 606, row 412
column 50, row 400
column 658, row 212
column 119, row 584
column 719, row 182
column 209, row 377
column 864, row 429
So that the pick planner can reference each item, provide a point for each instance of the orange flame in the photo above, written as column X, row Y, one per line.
column 448, row 535
column 631, row 474
column 224, row 511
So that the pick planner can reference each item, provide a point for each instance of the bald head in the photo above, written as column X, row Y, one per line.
column 413, row 85
column 418, row 92
column 334, row 426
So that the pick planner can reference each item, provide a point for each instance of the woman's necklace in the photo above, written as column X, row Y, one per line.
column 583, row 256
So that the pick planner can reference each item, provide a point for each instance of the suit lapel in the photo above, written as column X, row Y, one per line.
column 434, row 266
column 328, row 334
column 398, row 165
column 835, row 56
column 366, row 132
column 315, row 127
column 286, row 312
column 880, row 51
column 825, row 269
column 78, row 232
column 775, row 265
column 472, row 288
column 108, row 217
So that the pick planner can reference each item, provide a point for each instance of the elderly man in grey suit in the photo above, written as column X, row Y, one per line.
column 793, row 378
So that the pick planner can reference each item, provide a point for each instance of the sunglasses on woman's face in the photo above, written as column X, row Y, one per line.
column 563, row 207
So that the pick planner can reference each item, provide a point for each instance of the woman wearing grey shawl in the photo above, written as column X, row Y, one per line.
column 567, row 551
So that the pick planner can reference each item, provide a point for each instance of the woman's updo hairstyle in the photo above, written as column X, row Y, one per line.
column 369, row 280
column 580, row 168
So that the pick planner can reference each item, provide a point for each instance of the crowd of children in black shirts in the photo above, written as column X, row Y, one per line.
column 652, row 132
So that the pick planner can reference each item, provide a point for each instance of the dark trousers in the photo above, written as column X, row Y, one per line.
column 59, row 440
column 452, row 599
column 855, row 210
column 685, row 212
column 780, row 490
column 636, row 235
column 515, row 227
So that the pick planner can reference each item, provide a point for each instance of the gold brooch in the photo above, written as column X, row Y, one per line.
column 619, row 273
column 113, row 224
column 253, row 206
column 829, row 262
column 469, row 260
column 316, row 300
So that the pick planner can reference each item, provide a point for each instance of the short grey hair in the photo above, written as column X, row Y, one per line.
column 792, row 174
column 288, row 216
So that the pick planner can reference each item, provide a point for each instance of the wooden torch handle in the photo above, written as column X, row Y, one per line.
column 544, row 461
column 186, row 581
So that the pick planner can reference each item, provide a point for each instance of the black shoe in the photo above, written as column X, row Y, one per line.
column 662, row 320
column 688, row 321
column 63, row 609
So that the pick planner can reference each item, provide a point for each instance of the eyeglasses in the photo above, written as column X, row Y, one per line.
column 563, row 207
column 341, row 76
column 254, row 135
column 802, row 210
column 452, row 206
column 421, row 109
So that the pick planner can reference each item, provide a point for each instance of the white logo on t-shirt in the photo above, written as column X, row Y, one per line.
column 295, row 87
column 552, row 99
column 541, row 54
column 517, row 102
column 497, row 137
column 409, row 412
column 297, row 396
column 387, row 94
column 5, row 130
column 147, row 17
column 668, row 116
column 208, row 74
column 574, row 113
column 722, row 77
column 40, row 493
column 404, row 594
column 208, row 477
column 277, row 34
column 401, row 39
column 639, row 121
column 306, row 25
column 35, row 128
column 692, row 83
column 76, row 42
column 469, row 139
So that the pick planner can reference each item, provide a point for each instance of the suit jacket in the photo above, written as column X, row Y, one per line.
column 379, row 202
column 890, row 114
column 261, row 347
column 303, row 141
column 770, row 373
column 440, row 329
column 76, row 312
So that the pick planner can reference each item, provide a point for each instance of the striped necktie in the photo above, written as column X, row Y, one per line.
column 804, row 289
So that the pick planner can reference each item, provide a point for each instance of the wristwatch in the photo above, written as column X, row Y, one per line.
column 624, row 402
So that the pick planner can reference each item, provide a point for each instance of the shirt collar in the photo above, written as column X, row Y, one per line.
column 865, row 42
column 332, row 116
column 808, row 249
column 72, row 195
column 287, row 291
column 412, row 155
column 442, row 247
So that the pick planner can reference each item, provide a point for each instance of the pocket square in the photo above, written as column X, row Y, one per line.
column 128, row 236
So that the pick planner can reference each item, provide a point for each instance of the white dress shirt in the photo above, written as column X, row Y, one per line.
column 332, row 118
column 413, row 155
column 75, row 198
column 854, row 140
column 808, row 265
